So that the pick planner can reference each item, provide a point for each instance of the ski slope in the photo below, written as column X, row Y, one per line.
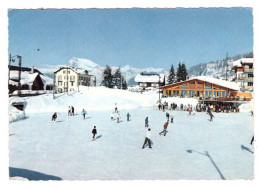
column 194, row 147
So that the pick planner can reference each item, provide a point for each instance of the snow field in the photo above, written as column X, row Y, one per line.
column 65, row 148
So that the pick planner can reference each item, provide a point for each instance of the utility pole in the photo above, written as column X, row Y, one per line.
column 121, row 82
column 159, row 88
column 19, row 74
column 67, row 82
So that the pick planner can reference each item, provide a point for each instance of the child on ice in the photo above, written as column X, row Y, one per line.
column 54, row 116
column 128, row 116
column 118, row 118
column 84, row 113
column 94, row 132
column 112, row 116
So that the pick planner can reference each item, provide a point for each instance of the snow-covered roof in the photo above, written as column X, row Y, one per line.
column 149, row 78
column 243, row 61
column 220, row 82
column 76, row 70
column 28, row 78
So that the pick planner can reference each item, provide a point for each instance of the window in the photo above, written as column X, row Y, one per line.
column 72, row 78
column 218, row 93
column 166, row 92
column 65, row 84
column 207, row 87
column 226, row 93
column 64, row 71
column 170, row 93
column 206, row 93
column 223, row 93
column 66, row 77
column 185, row 93
column 59, row 78
column 250, row 84
column 71, row 83
column 210, row 93
column 215, row 93
column 184, row 86
column 59, row 83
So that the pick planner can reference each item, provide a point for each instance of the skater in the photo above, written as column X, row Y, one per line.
column 147, row 138
column 163, row 107
column 164, row 128
column 252, row 140
column 128, row 116
column 112, row 116
column 252, row 113
column 211, row 116
column 116, row 111
column 189, row 111
column 54, row 116
column 172, row 118
column 94, row 132
column 72, row 110
column 167, row 116
column 118, row 117
column 146, row 122
column 159, row 106
column 69, row 111
column 84, row 113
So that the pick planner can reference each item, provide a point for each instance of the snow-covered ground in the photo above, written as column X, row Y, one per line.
column 194, row 147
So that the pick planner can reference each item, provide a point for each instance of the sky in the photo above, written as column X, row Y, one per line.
column 137, row 37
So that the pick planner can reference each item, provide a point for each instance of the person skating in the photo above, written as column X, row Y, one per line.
column 159, row 106
column 211, row 116
column 116, row 111
column 72, row 110
column 84, row 113
column 190, row 111
column 147, row 138
column 252, row 140
column 146, row 122
column 112, row 116
column 172, row 118
column 118, row 117
column 167, row 115
column 94, row 132
column 54, row 117
column 252, row 113
column 69, row 111
column 128, row 116
column 165, row 128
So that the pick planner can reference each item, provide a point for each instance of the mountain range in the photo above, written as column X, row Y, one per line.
column 215, row 69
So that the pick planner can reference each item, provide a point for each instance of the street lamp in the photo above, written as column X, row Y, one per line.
column 12, row 59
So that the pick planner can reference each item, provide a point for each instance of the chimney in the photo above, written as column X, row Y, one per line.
column 32, row 69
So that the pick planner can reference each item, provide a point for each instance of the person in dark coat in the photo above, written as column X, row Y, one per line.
column 147, row 138
column 94, row 132
column 128, row 116
column 146, row 122
column 54, row 117
column 72, row 110
column 164, row 128
column 69, row 111
column 211, row 116
column 167, row 116
column 159, row 106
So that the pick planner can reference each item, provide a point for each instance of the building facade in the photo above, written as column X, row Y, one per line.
column 150, row 80
column 69, row 78
column 244, row 73
column 201, row 86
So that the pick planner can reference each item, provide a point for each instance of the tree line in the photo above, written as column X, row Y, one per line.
column 180, row 75
column 111, row 80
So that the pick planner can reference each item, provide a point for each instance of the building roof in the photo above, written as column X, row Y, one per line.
column 149, row 78
column 23, row 69
column 220, row 82
column 76, row 70
column 28, row 78
column 241, row 61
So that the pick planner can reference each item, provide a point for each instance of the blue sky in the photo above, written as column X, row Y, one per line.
column 137, row 37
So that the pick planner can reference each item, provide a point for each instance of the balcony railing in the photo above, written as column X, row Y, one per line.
column 245, row 78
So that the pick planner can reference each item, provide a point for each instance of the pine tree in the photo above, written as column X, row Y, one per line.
column 179, row 72
column 108, row 77
column 119, row 80
column 171, row 78
column 184, row 72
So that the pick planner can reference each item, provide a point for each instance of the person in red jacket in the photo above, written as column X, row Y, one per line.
column 164, row 128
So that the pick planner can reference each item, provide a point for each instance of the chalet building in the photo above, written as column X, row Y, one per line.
column 244, row 73
column 69, row 78
column 201, row 86
column 31, row 79
column 145, row 80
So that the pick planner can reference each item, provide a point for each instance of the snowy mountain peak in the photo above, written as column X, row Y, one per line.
column 82, row 63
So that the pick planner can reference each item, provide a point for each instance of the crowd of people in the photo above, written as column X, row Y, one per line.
column 169, row 117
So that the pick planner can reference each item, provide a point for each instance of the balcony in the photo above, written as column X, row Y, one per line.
column 248, row 70
column 245, row 79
